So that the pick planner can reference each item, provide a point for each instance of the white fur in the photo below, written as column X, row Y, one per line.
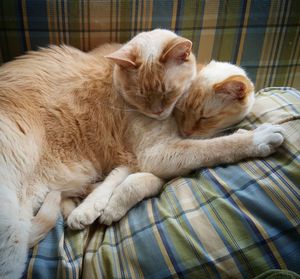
column 15, row 160
column 216, row 72
column 132, row 190
column 14, row 232
column 91, row 208
column 152, row 42
column 267, row 137
column 18, row 156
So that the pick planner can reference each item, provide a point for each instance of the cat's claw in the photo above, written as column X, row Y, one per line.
column 267, row 138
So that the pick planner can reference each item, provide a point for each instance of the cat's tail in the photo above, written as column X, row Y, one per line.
column 14, row 233
column 45, row 219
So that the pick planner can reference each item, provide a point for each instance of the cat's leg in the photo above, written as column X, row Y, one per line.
column 52, row 205
column 131, row 191
column 20, row 148
column 180, row 156
column 68, row 205
column 14, row 234
column 70, row 200
column 45, row 219
column 90, row 209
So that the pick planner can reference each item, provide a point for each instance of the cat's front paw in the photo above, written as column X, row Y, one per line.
column 82, row 216
column 266, row 138
column 112, row 213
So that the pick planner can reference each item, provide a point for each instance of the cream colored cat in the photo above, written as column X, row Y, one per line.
column 64, row 122
column 220, row 96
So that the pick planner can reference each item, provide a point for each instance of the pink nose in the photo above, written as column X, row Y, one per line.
column 158, row 112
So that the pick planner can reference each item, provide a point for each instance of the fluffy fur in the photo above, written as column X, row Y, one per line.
column 64, row 122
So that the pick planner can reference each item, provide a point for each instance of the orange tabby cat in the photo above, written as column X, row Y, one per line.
column 64, row 122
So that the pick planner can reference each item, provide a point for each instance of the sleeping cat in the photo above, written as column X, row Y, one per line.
column 220, row 96
column 64, row 121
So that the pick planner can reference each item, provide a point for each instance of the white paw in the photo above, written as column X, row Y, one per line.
column 102, row 202
column 112, row 213
column 82, row 216
column 267, row 138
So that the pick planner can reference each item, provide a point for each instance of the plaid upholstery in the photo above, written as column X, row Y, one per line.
column 234, row 221
column 260, row 35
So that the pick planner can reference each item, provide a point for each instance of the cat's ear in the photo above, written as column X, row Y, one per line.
column 178, row 49
column 124, row 57
column 235, row 87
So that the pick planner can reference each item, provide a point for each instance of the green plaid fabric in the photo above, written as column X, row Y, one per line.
column 260, row 35
column 231, row 221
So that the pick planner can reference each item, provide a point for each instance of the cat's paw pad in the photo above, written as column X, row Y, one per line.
column 267, row 138
column 82, row 216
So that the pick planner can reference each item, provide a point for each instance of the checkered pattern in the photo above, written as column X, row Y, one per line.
column 260, row 35
column 234, row 221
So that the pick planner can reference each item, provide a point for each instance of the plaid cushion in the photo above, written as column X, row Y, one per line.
column 261, row 36
column 234, row 221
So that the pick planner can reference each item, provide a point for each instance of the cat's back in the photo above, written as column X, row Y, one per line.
column 65, row 98
column 46, row 66
column 49, row 76
column 52, row 83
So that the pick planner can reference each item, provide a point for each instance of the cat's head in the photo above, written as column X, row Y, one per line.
column 153, row 70
column 220, row 96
